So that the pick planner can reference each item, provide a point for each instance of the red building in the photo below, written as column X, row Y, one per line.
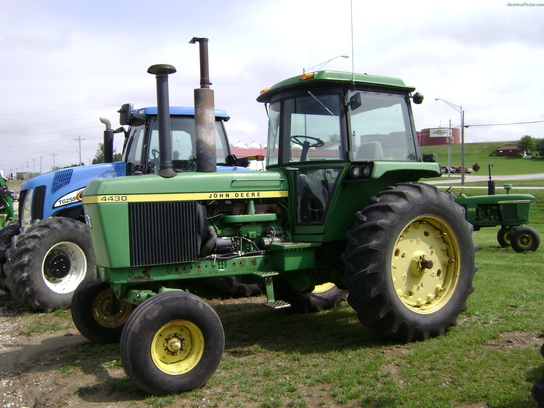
column 508, row 151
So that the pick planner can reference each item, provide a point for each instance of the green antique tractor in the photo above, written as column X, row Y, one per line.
column 509, row 211
column 339, row 204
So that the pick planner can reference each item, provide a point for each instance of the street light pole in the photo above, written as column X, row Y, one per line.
column 462, row 145
column 462, row 113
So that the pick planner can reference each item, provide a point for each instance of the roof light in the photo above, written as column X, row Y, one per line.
column 265, row 90
column 307, row 75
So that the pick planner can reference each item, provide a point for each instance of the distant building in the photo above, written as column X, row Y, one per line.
column 509, row 151
column 438, row 136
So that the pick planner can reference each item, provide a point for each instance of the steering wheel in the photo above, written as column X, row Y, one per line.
column 297, row 139
column 306, row 142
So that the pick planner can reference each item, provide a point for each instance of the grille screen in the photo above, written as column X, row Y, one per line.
column 163, row 233
column 62, row 178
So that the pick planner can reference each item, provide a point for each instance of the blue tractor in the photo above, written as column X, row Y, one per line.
column 49, row 251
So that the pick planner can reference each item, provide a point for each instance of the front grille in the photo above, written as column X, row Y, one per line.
column 38, row 201
column 163, row 233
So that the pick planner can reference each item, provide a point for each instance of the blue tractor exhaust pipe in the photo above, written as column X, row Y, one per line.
column 161, row 71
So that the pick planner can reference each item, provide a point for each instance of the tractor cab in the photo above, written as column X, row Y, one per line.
column 333, row 131
column 141, row 150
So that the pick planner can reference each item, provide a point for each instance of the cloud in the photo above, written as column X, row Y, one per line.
column 66, row 63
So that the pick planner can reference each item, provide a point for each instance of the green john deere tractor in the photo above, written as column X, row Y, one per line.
column 338, row 204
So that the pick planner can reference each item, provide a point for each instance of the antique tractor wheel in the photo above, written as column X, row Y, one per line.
column 525, row 239
column 172, row 343
column 410, row 262
column 504, row 236
column 97, row 313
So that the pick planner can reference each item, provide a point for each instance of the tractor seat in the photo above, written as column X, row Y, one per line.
column 370, row 151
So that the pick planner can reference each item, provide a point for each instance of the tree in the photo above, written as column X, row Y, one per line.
column 540, row 147
column 99, row 156
column 527, row 144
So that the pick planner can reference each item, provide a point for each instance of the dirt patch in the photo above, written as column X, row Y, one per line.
column 517, row 340
column 39, row 366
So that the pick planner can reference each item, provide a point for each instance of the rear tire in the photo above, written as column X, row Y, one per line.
column 7, row 232
column 410, row 262
column 525, row 239
column 98, row 315
column 47, row 262
column 323, row 297
column 172, row 343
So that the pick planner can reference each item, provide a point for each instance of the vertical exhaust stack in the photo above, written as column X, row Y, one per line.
column 108, row 141
column 204, row 114
column 161, row 71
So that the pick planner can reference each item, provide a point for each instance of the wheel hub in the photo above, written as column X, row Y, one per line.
column 177, row 347
column 174, row 344
column 64, row 267
column 59, row 266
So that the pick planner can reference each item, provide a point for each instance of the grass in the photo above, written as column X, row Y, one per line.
column 279, row 359
column 481, row 153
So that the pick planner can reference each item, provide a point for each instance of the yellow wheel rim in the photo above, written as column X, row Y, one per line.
column 102, row 312
column 324, row 287
column 177, row 347
column 425, row 264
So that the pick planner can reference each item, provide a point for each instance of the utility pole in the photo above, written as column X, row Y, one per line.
column 53, row 154
column 41, row 157
column 79, row 139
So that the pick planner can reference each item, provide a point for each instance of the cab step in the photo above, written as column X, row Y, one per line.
column 277, row 304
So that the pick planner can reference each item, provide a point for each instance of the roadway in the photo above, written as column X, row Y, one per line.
column 469, row 178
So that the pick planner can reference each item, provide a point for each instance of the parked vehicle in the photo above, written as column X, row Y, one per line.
column 48, row 253
column 509, row 211
column 354, row 216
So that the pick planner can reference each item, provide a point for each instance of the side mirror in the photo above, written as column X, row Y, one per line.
column 126, row 117
column 355, row 101
column 124, row 114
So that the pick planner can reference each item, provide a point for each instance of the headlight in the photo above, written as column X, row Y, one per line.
column 26, row 209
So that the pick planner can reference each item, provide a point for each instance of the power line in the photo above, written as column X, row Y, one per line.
column 506, row 124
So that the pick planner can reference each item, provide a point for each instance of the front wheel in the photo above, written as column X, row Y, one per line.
column 48, row 261
column 504, row 236
column 97, row 313
column 7, row 232
column 525, row 239
column 172, row 343
column 410, row 262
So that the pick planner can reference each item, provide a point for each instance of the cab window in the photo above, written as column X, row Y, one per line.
column 381, row 128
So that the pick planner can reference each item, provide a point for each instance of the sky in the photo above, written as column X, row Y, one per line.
column 65, row 63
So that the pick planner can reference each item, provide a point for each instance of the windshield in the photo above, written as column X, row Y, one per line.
column 381, row 128
column 140, row 152
column 310, row 126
